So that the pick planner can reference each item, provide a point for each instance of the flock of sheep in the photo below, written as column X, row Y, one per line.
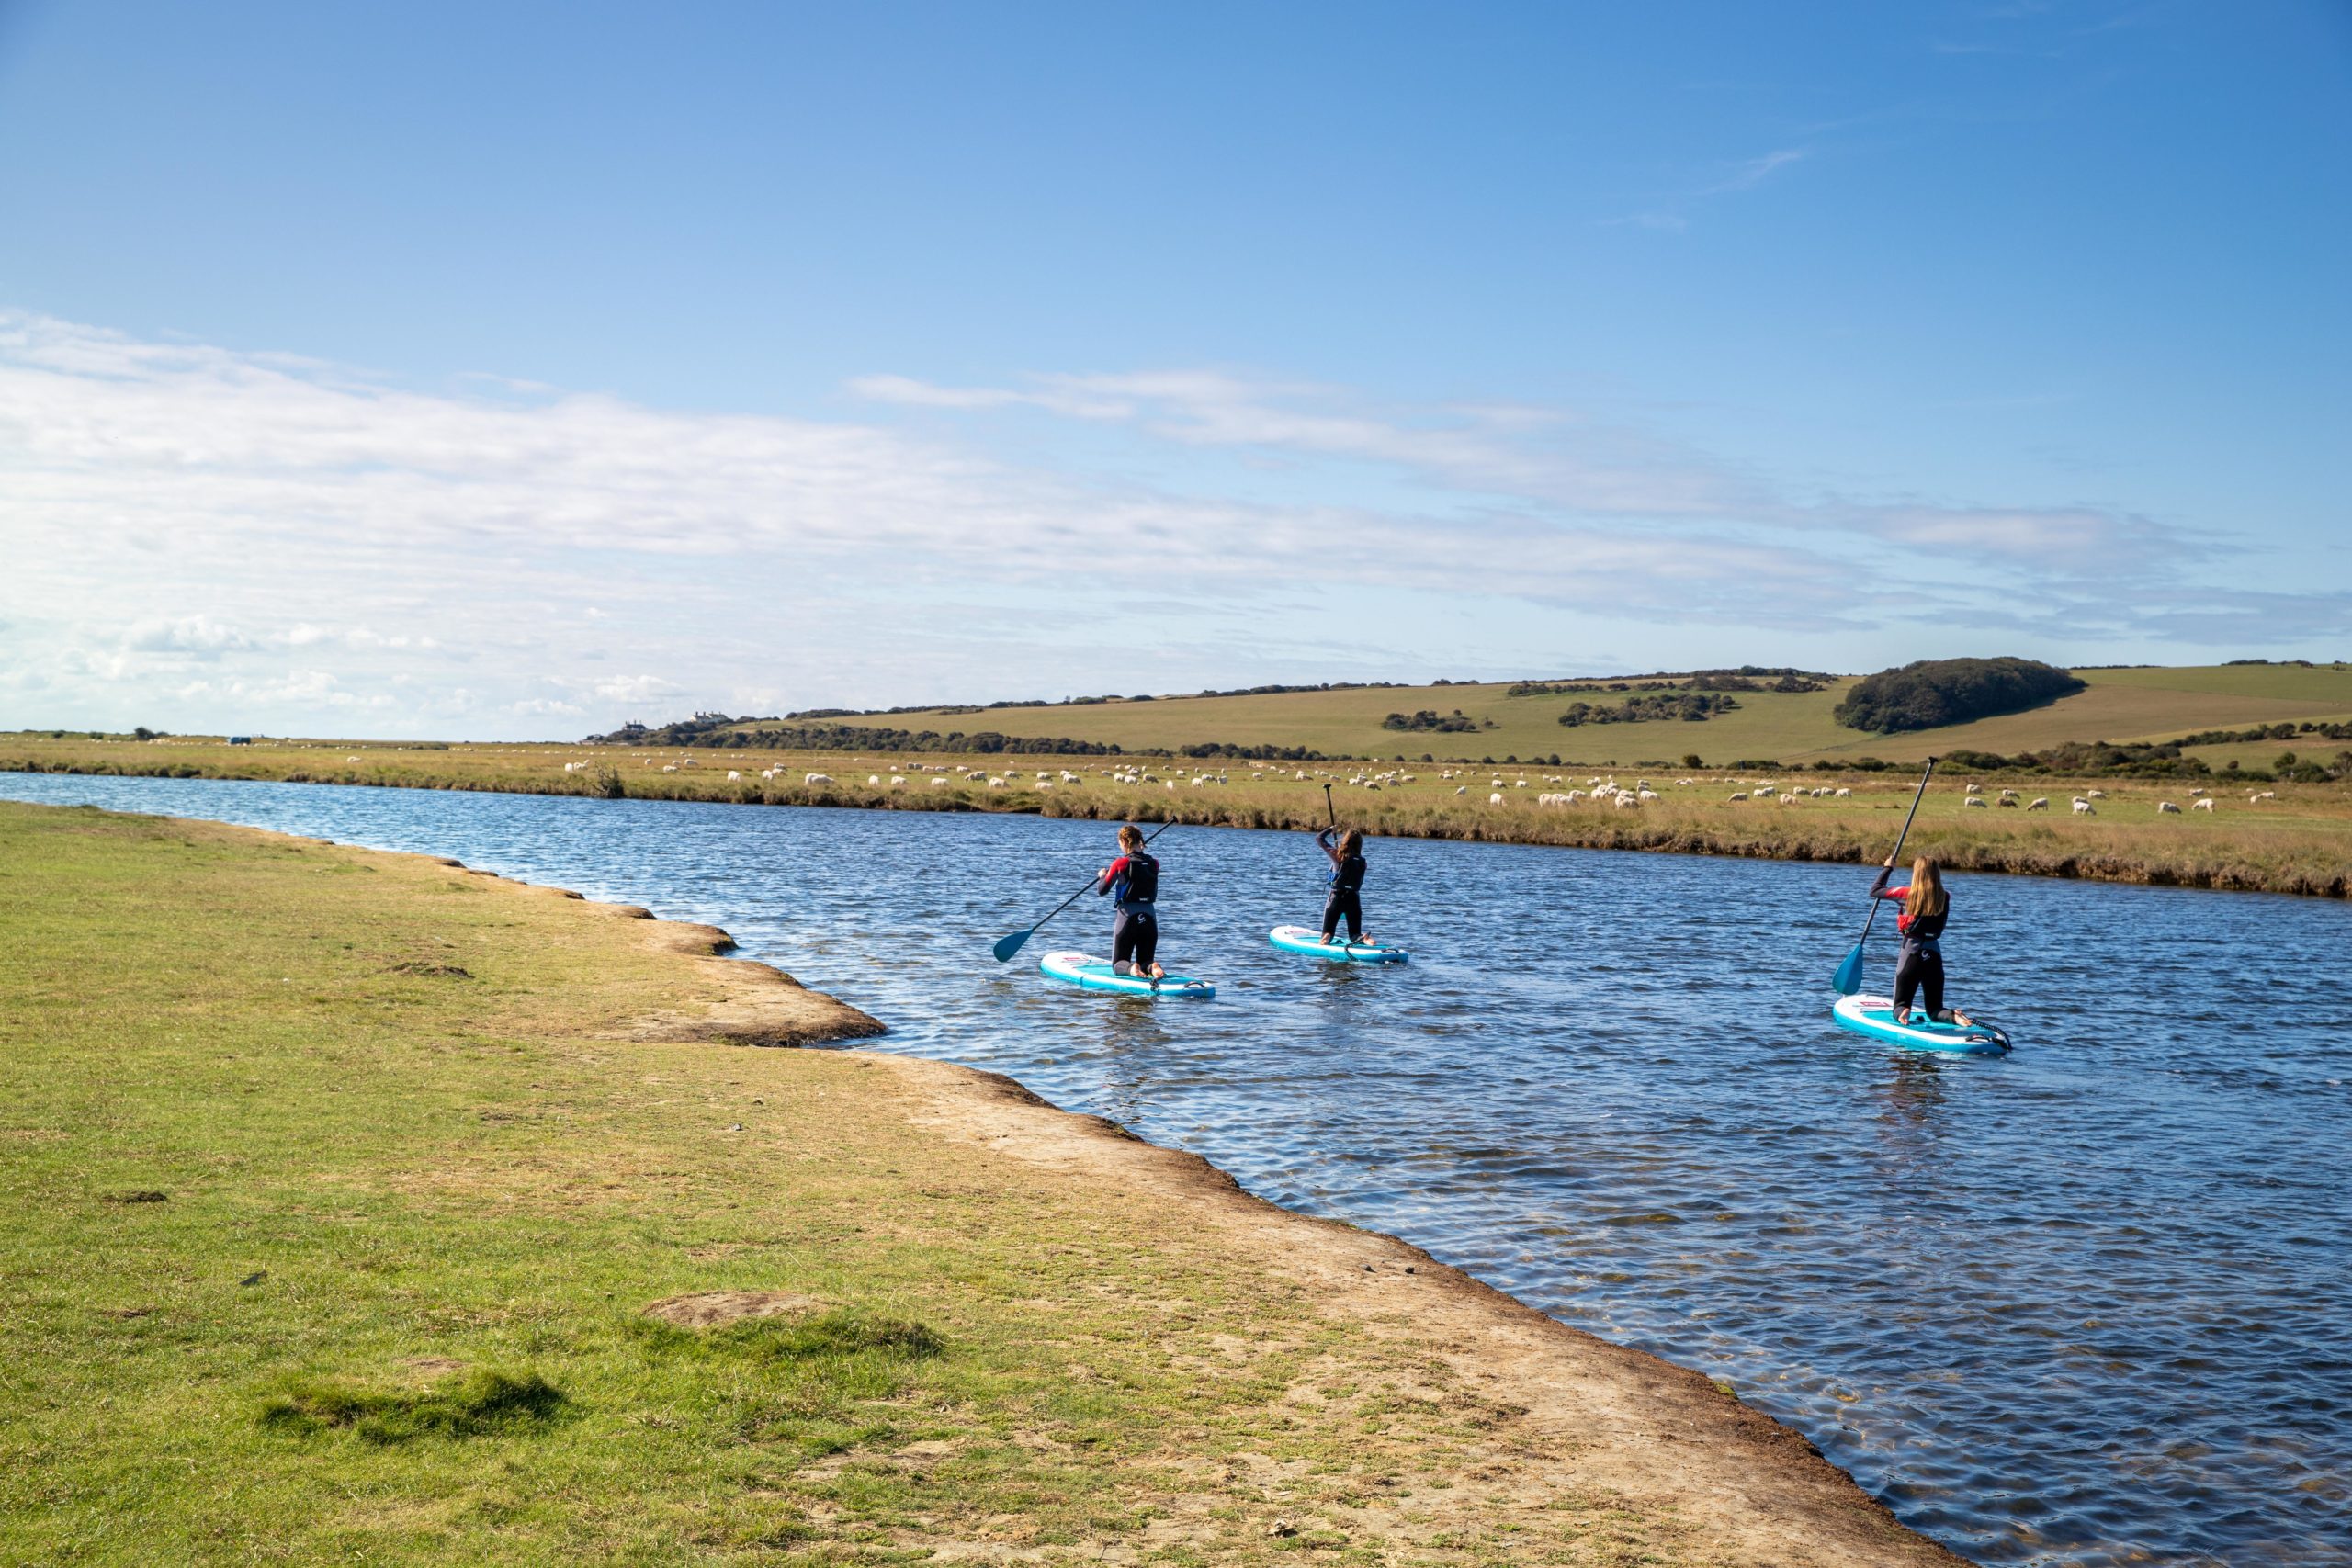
column 1597, row 790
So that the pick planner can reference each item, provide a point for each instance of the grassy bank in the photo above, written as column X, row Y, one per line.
column 2300, row 840
column 338, row 1183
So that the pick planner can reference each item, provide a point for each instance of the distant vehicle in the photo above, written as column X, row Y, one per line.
column 241, row 740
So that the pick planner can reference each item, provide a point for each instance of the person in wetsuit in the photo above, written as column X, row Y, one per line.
column 1346, row 900
column 1134, row 879
column 1920, row 966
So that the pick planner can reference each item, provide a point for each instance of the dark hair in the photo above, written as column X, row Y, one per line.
column 1352, row 842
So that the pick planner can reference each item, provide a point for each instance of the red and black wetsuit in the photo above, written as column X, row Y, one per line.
column 1134, row 928
column 1920, row 965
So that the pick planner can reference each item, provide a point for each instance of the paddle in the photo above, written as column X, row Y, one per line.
column 1849, row 974
column 1006, row 946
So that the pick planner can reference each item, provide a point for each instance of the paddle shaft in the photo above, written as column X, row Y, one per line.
column 1899, row 838
column 1091, row 883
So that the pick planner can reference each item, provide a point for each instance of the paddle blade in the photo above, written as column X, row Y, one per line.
column 1849, row 974
column 1006, row 946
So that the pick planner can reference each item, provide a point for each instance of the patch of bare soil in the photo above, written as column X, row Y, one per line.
column 709, row 1308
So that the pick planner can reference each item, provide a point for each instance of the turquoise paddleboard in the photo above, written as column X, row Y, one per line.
column 1091, row 974
column 1307, row 940
column 1874, row 1016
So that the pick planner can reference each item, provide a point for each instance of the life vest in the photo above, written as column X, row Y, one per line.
column 1347, row 875
column 1138, row 881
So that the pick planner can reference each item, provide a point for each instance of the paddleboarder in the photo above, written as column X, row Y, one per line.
column 1133, row 878
column 1920, row 965
column 1346, row 899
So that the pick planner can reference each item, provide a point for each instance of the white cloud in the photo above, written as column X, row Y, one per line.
column 247, row 538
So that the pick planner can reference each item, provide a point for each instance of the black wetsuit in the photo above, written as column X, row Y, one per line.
column 1346, row 901
column 1919, row 967
column 1134, row 877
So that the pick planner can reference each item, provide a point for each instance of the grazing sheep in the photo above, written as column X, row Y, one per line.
column 1461, row 789
column 1494, row 800
column 734, row 777
column 941, row 784
column 2205, row 805
column 2201, row 789
column 898, row 781
column 1764, row 787
column 1649, row 794
column 669, row 767
column 2008, row 795
column 2009, row 800
column 1626, row 802
column 1572, row 796
column 1974, row 789
column 2096, row 794
column 2083, row 808
column 1977, row 801
column 1842, row 793
column 816, row 778
column 2038, row 803
column 1739, row 795
column 1787, row 800
column 2165, row 807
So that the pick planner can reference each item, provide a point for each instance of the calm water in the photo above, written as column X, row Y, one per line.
column 2088, row 1304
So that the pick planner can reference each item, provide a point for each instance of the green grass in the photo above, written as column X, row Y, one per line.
column 318, row 1250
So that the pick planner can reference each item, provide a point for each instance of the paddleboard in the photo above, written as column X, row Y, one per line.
column 1874, row 1016
column 1091, row 974
column 1307, row 940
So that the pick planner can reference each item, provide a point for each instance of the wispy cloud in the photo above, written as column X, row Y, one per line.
column 200, row 535
column 1670, row 213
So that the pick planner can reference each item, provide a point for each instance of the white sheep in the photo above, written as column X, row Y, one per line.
column 814, row 779
column 1627, row 802
column 1787, row 800
column 1739, row 795
column 2204, row 805
column 1461, row 789
column 941, row 784
column 1978, row 801
column 1842, row 793
column 898, row 781
column 734, row 777
column 2096, row 794
column 1649, row 794
column 2038, row 803
column 1495, row 799
column 1973, row 789
column 2165, row 807
column 2083, row 808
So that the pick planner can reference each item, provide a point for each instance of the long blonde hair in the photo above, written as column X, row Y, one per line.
column 1927, row 895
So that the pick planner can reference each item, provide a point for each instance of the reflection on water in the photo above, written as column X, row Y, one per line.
column 2087, row 1305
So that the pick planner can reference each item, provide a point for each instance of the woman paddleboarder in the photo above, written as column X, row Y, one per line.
column 1346, row 900
column 1134, row 877
column 1920, row 965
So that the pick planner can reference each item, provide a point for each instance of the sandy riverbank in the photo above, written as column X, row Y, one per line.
column 369, row 1123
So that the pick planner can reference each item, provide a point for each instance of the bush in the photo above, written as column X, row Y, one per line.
column 1933, row 693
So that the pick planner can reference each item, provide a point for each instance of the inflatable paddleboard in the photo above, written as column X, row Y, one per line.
column 1091, row 974
column 1307, row 940
column 1874, row 1016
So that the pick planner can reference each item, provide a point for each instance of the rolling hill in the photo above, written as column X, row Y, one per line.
column 2137, row 704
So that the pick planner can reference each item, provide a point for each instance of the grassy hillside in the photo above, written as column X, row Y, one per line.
column 2120, row 704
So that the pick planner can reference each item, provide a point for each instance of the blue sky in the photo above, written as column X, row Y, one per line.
column 517, row 369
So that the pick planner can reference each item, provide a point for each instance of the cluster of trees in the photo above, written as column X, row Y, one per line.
column 2155, row 759
column 1454, row 723
column 1689, row 706
column 1767, row 681
column 1933, row 693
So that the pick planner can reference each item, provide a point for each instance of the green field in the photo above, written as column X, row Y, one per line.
column 2149, row 704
